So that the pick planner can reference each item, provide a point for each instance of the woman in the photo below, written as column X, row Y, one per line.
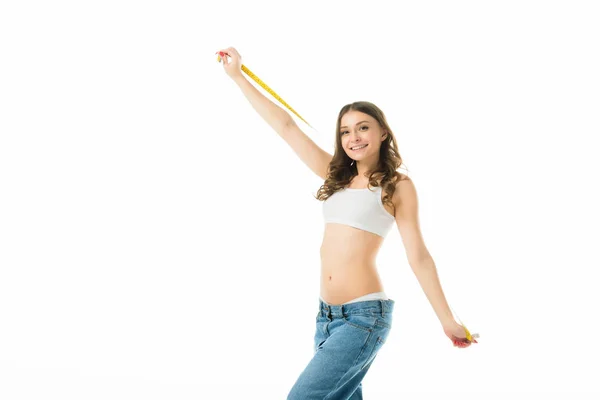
column 363, row 195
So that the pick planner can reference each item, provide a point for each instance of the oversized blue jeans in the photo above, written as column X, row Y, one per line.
column 347, row 340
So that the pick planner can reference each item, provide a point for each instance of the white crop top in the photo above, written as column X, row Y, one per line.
column 359, row 208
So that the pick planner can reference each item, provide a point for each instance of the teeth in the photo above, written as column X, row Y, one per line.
column 360, row 147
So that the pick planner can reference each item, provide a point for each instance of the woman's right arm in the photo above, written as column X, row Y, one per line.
column 274, row 115
column 308, row 151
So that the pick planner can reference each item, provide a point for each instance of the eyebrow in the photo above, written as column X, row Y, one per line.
column 356, row 124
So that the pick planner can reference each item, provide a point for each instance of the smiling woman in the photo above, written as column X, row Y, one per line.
column 363, row 194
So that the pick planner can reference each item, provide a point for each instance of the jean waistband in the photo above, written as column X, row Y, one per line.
column 379, row 306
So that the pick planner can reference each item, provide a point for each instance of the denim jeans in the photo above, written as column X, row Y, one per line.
column 347, row 340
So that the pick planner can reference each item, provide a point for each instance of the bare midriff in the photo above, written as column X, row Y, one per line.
column 348, row 268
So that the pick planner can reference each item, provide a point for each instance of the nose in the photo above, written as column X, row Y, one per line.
column 354, row 138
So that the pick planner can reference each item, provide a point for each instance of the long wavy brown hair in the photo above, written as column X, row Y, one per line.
column 340, row 172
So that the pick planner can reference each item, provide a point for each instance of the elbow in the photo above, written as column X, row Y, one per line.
column 287, row 123
column 285, row 126
column 422, row 262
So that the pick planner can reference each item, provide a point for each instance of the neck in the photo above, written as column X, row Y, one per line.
column 364, row 168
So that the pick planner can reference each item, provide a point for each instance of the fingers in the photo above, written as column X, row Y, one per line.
column 222, row 53
column 229, row 52
column 461, row 342
column 232, row 50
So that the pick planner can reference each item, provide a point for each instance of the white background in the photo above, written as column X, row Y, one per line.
column 159, row 241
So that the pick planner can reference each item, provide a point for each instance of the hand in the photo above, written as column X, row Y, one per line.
column 457, row 334
column 233, row 64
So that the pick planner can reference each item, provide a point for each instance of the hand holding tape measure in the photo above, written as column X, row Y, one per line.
column 458, row 333
column 232, row 61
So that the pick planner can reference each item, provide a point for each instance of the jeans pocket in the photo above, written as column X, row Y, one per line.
column 378, row 344
column 384, row 322
column 364, row 321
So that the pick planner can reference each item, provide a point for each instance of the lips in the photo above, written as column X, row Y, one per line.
column 362, row 148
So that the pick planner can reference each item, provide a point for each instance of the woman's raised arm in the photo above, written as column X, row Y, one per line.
column 274, row 115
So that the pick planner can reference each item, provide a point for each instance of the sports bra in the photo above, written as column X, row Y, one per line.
column 359, row 208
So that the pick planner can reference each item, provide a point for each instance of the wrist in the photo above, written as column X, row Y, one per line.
column 448, row 322
column 238, row 78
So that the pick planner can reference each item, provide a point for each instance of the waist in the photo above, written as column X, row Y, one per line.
column 378, row 306
column 366, row 297
column 339, row 261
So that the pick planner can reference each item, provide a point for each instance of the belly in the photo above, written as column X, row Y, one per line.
column 348, row 268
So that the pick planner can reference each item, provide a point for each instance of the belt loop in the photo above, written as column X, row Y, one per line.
column 382, row 309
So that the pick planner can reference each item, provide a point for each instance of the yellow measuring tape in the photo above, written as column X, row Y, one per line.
column 469, row 336
column 267, row 88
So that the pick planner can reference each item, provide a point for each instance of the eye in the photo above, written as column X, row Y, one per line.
column 363, row 126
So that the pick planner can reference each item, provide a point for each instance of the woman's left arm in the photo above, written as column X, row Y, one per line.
column 421, row 262
column 407, row 219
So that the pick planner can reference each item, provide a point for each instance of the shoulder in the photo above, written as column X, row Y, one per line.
column 405, row 193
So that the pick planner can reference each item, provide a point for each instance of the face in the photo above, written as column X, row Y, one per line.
column 357, row 129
